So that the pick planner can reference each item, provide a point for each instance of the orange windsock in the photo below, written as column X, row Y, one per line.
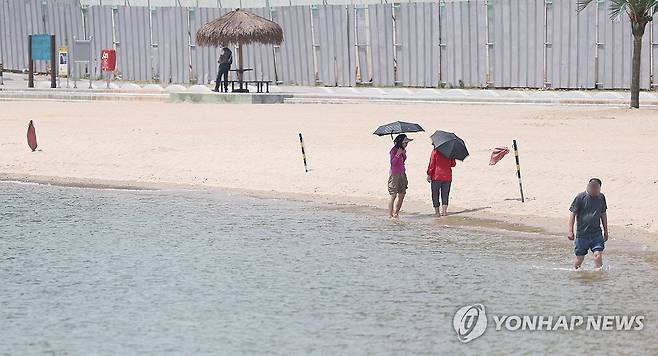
column 31, row 137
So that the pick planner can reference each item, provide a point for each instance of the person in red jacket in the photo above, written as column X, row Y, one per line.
column 439, row 174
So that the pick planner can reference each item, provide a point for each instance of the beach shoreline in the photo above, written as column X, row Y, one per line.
column 632, row 239
column 254, row 150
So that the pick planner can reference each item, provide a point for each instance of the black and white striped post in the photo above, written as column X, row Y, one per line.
column 301, row 142
column 518, row 169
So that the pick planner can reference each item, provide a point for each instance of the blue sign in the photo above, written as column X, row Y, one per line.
column 40, row 47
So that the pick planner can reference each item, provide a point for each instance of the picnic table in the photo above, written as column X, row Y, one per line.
column 240, row 81
column 261, row 85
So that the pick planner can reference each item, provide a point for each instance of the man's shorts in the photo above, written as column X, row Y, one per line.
column 397, row 183
column 589, row 242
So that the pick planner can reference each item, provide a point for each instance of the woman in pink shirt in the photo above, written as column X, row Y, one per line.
column 397, row 180
column 439, row 174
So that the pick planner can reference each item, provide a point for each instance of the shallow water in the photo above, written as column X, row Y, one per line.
column 108, row 272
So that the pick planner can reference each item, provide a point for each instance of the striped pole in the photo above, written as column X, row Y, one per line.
column 301, row 142
column 518, row 170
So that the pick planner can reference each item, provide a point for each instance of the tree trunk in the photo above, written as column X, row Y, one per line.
column 635, row 79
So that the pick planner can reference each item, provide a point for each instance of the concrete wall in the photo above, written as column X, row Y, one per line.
column 471, row 43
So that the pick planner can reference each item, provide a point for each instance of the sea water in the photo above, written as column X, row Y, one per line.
column 111, row 272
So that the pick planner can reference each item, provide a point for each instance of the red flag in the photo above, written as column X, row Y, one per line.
column 498, row 154
column 31, row 137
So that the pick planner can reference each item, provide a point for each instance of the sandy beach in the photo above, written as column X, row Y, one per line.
column 255, row 149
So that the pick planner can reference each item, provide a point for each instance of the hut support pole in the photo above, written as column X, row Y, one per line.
column 240, row 65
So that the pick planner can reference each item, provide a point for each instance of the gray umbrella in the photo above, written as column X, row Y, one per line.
column 397, row 127
column 449, row 145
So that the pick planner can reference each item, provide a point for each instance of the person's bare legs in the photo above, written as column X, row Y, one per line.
column 398, row 205
column 598, row 259
column 444, row 210
column 391, row 203
column 437, row 211
column 579, row 262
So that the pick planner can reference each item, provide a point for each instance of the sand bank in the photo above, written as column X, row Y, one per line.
column 256, row 149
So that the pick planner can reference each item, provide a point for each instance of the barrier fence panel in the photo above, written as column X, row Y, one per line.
column 294, row 59
column 65, row 22
column 418, row 55
column 380, row 20
column 646, row 72
column 611, row 38
column 463, row 49
column 260, row 58
column 362, row 45
column 653, row 53
column 19, row 20
column 517, row 53
column 170, row 33
column 33, row 12
column 616, row 50
column 11, row 56
column 133, row 44
column 334, row 31
column 99, row 26
column 572, row 37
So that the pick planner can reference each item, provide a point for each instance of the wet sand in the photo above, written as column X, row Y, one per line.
column 255, row 150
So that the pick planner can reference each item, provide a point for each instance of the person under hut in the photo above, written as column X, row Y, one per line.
column 225, row 61
column 237, row 28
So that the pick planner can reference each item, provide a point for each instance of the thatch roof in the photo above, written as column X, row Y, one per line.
column 239, row 27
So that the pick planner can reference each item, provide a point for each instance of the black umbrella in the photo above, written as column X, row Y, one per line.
column 397, row 127
column 449, row 145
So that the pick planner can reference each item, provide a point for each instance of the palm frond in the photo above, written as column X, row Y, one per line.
column 619, row 7
column 582, row 4
column 646, row 7
column 634, row 8
column 653, row 7
column 639, row 8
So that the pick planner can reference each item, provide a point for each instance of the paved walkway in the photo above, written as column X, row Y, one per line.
column 15, row 87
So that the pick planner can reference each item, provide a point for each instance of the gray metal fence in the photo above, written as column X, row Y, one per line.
column 334, row 33
column 294, row 59
column 381, row 45
column 469, row 43
column 463, row 44
column 417, row 44
column 134, row 47
column 18, row 19
column 517, row 43
column 99, row 26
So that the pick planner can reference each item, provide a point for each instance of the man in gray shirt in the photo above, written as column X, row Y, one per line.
column 225, row 61
column 589, row 211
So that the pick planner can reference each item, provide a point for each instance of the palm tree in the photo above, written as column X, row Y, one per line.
column 640, row 12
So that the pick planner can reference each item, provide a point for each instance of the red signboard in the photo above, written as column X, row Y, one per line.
column 108, row 60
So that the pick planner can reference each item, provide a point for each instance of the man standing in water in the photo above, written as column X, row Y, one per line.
column 225, row 61
column 589, row 211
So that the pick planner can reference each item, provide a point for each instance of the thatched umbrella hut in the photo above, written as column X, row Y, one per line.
column 239, row 27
